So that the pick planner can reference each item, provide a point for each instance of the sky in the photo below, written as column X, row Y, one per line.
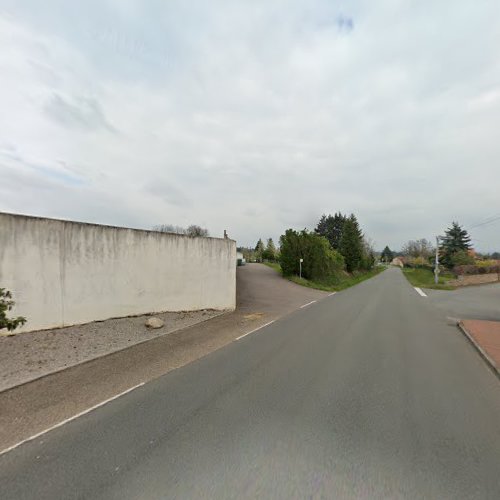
column 254, row 116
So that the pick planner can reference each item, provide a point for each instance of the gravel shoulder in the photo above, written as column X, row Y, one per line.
column 30, row 355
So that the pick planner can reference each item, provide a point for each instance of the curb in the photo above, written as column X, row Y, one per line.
column 491, row 364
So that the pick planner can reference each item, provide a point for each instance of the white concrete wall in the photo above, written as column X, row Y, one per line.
column 63, row 273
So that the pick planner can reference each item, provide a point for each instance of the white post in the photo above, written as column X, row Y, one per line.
column 300, row 267
column 436, row 264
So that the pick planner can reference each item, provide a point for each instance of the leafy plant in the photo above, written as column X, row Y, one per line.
column 6, row 304
column 320, row 261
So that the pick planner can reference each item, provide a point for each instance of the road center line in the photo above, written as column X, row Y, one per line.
column 254, row 330
column 308, row 304
column 420, row 292
column 330, row 294
column 74, row 417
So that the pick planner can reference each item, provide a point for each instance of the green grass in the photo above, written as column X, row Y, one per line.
column 424, row 278
column 345, row 281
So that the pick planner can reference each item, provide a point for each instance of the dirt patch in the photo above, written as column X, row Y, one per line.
column 253, row 316
column 30, row 355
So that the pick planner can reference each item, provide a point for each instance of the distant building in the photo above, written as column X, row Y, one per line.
column 397, row 261
column 240, row 260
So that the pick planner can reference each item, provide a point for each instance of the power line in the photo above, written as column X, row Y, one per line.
column 490, row 220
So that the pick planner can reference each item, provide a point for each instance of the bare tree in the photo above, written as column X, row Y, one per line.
column 169, row 228
column 193, row 230
column 196, row 231
column 418, row 248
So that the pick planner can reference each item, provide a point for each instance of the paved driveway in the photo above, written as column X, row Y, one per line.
column 473, row 302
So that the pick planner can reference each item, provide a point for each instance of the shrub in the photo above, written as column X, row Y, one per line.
column 6, row 304
column 321, row 262
column 474, row 269
column 461, row 258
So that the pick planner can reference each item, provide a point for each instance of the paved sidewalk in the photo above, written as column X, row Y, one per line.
column 485, row 335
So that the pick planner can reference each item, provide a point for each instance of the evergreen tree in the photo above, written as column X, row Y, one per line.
column 455, row 240
column 270, row 251
column 259, row 250
column 387, row 255
column 331, row 226
column 351, row 244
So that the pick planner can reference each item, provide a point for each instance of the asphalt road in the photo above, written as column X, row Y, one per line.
column 364, row 394
column 472, row 302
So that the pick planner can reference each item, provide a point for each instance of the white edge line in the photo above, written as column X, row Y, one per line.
column 420, row 292
column 330, row 294
column 308, row 304
column 259, row 328
column 74, row 417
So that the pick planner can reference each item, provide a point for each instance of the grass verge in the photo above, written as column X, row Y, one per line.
column 342, row 283
column 424, row 278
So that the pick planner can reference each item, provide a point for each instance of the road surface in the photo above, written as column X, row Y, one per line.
column 474, row 302
column 368, row 393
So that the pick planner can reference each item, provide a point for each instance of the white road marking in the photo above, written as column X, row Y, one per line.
column 419, row 291
column 330, row 294
column 253, row 331
column 308, row 304
column 74, row 417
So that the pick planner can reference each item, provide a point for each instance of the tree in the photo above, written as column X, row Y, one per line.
column 351, row 244
column 259, row 250
column 197, row 231
column 387, row 255
column 418, row 248
column 270, row 251
column 331, row 226
column 193, row 230
column 6, row 304
column 320, row 261
column 455, row 239
column 169, row 228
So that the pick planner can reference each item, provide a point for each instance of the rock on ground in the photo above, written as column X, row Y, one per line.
column 154, row 322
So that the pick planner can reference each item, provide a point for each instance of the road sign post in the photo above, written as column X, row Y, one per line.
column 436, row 264
column 300, row 267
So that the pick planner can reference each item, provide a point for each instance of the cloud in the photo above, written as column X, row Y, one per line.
column 167, row 192
column 345, row 24
column 252, row 117
column 82, row 113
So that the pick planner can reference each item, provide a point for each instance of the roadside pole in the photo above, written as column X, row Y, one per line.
column 300, row 267
column 436, row 264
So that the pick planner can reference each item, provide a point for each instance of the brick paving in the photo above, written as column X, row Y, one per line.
column 485, row 335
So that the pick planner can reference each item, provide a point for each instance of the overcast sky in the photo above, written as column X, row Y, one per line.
column 253, row 116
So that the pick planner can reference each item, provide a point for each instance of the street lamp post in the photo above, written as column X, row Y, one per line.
column 300, row 267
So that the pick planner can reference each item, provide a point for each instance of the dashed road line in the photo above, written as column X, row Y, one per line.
column 420, row 292
column 308, row 304
column 67, row 420
column 330, row 294
column 255, row 330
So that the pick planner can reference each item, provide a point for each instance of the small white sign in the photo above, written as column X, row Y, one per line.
column 301, row 260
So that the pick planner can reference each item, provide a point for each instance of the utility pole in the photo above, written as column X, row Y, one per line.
column 300, row 267
column 436, row 264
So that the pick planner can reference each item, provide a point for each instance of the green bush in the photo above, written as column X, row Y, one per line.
column 321, row 262
column 461, row 258
column 6, row 304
